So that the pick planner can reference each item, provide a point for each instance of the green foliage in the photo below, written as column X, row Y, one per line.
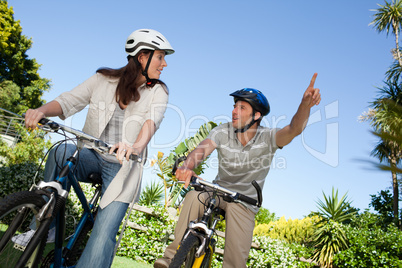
column 292, row 231
column 147, row 245
column 388, row 17
column 9, row 92
column 371, row 246
column 150, row 243
column 274, row 253
column 152, row 194
column 264, row 216
column 173, row 190
column 329, row 237
column 31, row 147
column 19, row 165
column 382, row 203
column 18, row 74
column 387, row 122
column 335, row 209
column 18, row 177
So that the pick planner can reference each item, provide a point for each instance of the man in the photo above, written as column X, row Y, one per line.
column 245, row 151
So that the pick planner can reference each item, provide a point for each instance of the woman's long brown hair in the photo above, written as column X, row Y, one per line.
column 127, row 88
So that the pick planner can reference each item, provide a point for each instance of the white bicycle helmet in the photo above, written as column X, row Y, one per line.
column 147, row 39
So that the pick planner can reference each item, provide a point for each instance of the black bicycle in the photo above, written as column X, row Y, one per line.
column 20, row 211
column 197, row 246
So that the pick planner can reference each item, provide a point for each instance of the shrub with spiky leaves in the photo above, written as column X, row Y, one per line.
column 152, row 194
column 329, row 237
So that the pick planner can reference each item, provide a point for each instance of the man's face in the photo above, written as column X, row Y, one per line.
column 241, row 114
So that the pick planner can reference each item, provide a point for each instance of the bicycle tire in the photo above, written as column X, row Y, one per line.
column 185, row 254
column 17, row 212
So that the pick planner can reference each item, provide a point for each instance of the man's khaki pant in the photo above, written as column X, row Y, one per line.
column 239, row 228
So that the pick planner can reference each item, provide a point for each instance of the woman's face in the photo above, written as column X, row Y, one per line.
column 157, row 64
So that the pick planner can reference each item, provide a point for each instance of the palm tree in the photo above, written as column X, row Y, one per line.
column 387, row 122
column 389, row 18
column 329, row 237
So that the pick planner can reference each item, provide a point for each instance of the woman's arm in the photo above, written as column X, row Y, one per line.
column 124, row 150
column 32, row 116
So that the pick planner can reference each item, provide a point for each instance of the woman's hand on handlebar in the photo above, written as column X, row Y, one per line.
column 123, row 151
column 32, row 117
column 183, row 173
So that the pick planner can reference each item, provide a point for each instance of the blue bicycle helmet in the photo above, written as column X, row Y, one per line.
column 254, row 97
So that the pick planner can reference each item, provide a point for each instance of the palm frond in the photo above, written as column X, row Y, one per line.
column 165, row 164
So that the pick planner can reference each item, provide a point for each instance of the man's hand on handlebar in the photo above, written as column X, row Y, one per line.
column 183, row 173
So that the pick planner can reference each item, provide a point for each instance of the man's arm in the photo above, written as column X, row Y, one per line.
column 203, row 150
column 311, row 97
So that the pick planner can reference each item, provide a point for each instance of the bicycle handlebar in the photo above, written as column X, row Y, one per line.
column 200, row 184
column 51, row 126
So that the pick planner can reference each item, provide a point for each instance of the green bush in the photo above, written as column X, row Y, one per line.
column 292, row 231
column 147, row 245
column 264, row 216
column 18, row 177
column 275, row 253
column 150, row 245
column 369, row 245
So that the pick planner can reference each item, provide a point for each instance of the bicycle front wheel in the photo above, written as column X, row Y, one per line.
column 185, row 255
column 21, row 246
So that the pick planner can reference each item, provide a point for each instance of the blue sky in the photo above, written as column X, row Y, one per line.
column 222, row 46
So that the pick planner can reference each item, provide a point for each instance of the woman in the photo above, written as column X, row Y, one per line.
column 126, row 107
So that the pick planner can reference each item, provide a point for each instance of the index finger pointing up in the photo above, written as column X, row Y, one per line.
column 312, row 82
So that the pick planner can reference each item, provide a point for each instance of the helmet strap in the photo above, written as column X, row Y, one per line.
column 145, row 72
column 246, row 127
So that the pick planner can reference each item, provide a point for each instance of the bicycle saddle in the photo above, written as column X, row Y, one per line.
column 95, row 178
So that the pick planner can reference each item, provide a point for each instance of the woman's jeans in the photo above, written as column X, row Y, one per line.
column 99, row 249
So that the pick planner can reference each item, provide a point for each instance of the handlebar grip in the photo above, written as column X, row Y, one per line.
column 259, row 192
column 176, row 164
column 44, row 121
column 136, row 158
column 248, row 200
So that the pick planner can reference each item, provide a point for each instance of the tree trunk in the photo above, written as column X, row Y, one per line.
column 395, row 189
column 398, row 53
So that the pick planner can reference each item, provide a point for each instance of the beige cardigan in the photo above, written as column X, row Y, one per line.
column 99, row 92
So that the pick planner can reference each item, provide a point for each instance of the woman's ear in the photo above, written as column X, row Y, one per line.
column 142, row 58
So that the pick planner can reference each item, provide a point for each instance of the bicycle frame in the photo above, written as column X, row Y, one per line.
column 60, row 184
column 205, row 227
column 62, row 179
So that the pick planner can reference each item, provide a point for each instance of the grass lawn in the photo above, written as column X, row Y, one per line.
column 118, row 262
column 121, row 262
